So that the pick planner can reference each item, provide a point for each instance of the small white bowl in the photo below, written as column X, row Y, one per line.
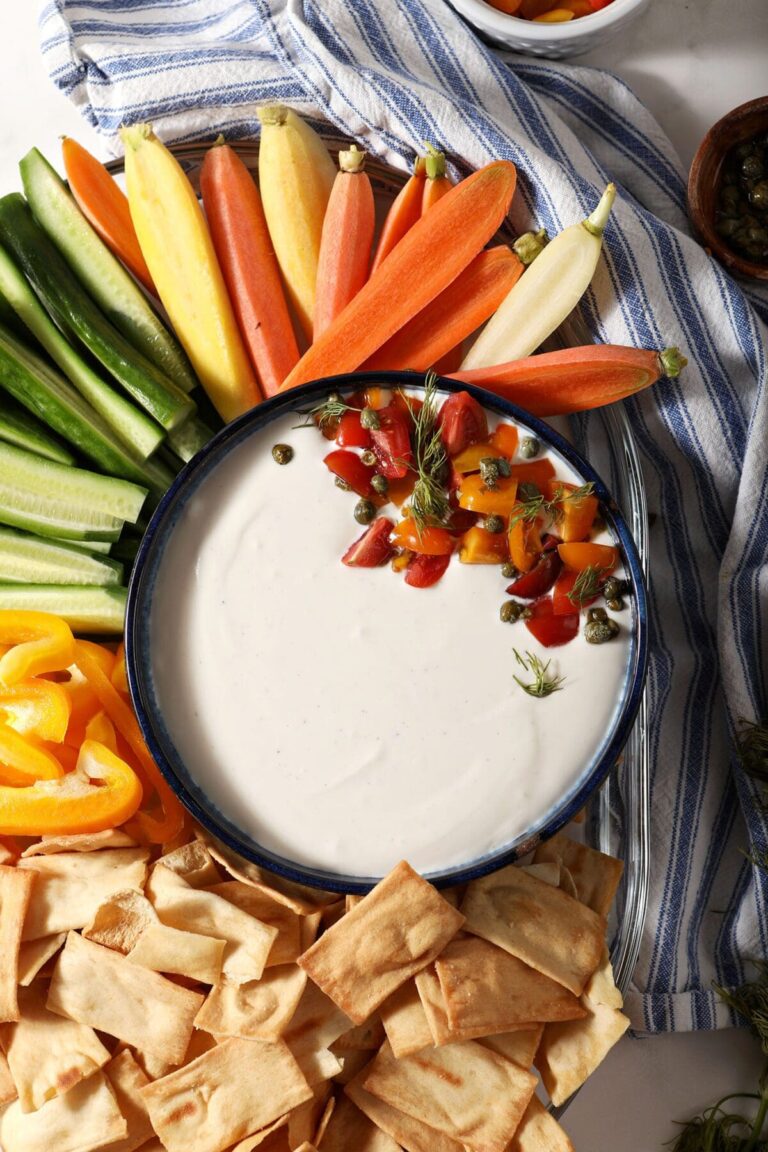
column 576, row 36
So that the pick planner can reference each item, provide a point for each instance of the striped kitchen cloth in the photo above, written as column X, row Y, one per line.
column 393, row 75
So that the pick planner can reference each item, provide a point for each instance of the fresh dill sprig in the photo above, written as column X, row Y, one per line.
column 429, row 502
column 753, row 750
column 541, row 685
column 751, row 1002
column 717, row 1130
column 326, row 413
column 586, row 585
column 533, row 506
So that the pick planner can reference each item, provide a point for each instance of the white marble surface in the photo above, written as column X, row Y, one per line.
column 690, row 61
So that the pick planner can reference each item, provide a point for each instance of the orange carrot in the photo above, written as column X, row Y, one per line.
column 428, row 258
column 247, row 259
column 105, row 207
column 459, row 309
column 451, row 361
column 437, row 183
column 345, row 245
column 554, row 383
column 403, row 213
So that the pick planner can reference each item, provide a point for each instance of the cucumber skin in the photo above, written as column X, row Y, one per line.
column 76, row 313
column 88, row 610
column 21, row 429
column 41, row 561
column 100, row 273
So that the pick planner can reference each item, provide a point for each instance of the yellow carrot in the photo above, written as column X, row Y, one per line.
column 177, row 247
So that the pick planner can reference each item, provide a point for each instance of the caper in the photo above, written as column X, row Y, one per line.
column 380, row 484
column 758, row 197
column 614, row 588
column 752, row 167
column 743, row 150
column 616, row 604
column 369, row 419
column 282, row 453
column 364, row 512
column 512, row 610
column 369, row 458
column 489, row 471
column 726, row 227
column 508, row 570
column 757, row 235
column 493, row 524
column 729, row 197
column 527, row 491
column 529, row 447
column 334, row 398
column 600, row 628
column 341, row 483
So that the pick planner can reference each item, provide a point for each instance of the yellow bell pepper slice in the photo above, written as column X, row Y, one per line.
column 22, row 762
column 101, row 729
column 36, row 708
column 41, row 643
column 101, row 793
column 119, row 674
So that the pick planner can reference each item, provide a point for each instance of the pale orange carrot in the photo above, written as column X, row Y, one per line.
column 437, row 182
column 452, row 316
column 430, row 256
column 247, row 259
column 345, row 244
column 403, row 213
column 105, row 207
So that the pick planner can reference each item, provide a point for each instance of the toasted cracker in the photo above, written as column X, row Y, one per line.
column 541, row 925
column 194, row 863
column 99, row 987
column 316, row 1023
column 71, row 885
column 487, row 990
column 15, row 893
column 262, row 1008
column 35, row 954
column 567, row 882
column 153, row 1067
column 352, row 1063
column 299, row 897
column 349, row 1128
column 601, row 988
column 164, row 949
column 539, row 1132
column 409, row 1133
column 120, row 920
column 248, row 1084
column 549, row 872
column 248, row 940
column 84, row 1119
column 569, row 1052
column 450, row 1088
column 287, row 945
column 47, row 1055
column 405, row 1021
column 7, row 1087
column 368, row 1036
column 273, row 1138
column 81, row 842
column 433, row 1003
column 520, row 1047
column 306, row 1122
column 595, row 875
column 308, row 929
column 127, row 1079
column 399, row 928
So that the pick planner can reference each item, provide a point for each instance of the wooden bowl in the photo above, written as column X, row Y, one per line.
column 734, row 128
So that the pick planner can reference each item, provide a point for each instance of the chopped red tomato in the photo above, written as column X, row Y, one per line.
column 392, row 442
column 549, row 629
column 373, row 548
column 351, row 434
column 539, row 579
column 462, row 422
column 562, row 603
column 431, row 541
column 424, row 571
column 351, row 469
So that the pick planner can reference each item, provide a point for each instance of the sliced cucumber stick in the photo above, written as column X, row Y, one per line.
column 187, row 440
column 24, row 431
column 28, row 559
column 103, row 547
column 86, row 610
column 84, row 491
column 48, row 517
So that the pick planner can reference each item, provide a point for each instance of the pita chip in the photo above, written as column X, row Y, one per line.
column 84, row 1119
column 15, row 892
column 407, row 1132
column 7, row 1087
column 567, row 883
column 248, row 1084
column 405, row 1021
column 549, row 872
column 395, row 931
column 539, row 1132
column 262, row 1008
column 164, row 949
column 541, row 925
column 595, row 875
column 450, row 1088
column 70, row 886
column 120, row 920
column 153, row 1067
column 487, row 990
column 314, row 1026
column 601, row 988
column 273, row 1138
column 287, row 946
column 570, row 1051
column 47, row 1055
column 519, row 1047
column 299, row 897
column 352, row 1063
column 308, row 929
column 35, row 954
column 194, row 863
column 433, row 1003
column 305, row 1121
column 127, row 1079
column 349, row 1128
column 82, row 842
column 368, row 1036
column 248, row 941
column 99, row 987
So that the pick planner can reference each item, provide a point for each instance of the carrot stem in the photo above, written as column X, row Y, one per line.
column 437, row 182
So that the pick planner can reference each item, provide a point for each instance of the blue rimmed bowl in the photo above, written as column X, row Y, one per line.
column 139, row 637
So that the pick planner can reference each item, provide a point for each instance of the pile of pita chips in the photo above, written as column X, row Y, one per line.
column 189, row 1001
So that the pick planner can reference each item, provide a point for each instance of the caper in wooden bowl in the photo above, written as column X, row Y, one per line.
column 728, row 190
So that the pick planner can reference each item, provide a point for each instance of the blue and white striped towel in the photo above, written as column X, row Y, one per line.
column 396, row 74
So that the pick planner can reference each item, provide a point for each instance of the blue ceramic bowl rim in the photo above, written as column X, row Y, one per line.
column 138, row 664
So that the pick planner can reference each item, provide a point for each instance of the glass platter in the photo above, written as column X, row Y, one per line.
column 616, row 820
